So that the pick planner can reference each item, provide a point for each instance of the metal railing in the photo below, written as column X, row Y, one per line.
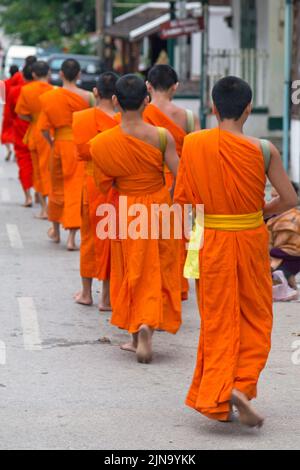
column 249, row 64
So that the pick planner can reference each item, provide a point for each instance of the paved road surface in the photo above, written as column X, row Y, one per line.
column 62, row 389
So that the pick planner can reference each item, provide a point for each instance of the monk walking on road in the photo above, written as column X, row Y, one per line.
column 162, row 86
column 7, row 135
column 20, row 129
column 94, row 253
column 225, row 170
column 145, row 274
column 66, row 170
column 29, row 109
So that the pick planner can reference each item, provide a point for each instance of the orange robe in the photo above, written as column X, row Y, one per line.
column 20, row 128
column 226, row 174
column 94, row 253
column 153, row 115
column 66, row 170
column 7, row 134
column 29, row 105
column 145, row 274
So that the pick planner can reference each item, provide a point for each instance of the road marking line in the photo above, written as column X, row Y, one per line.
column 30, row 325
column 2, row 353
column 14, row 236
column 5, row 196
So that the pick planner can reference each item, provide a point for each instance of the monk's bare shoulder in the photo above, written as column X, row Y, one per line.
column 86, row 95
column 253, row 140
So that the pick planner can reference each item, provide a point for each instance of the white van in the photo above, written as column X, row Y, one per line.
column 16, row 55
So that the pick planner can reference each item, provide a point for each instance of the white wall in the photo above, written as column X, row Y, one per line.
column 257, row 124
column 220, row 36
column 295, row 151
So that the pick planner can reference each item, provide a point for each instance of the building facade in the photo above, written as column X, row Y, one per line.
column 295, row 124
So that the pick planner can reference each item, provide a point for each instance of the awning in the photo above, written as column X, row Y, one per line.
column 147, row 19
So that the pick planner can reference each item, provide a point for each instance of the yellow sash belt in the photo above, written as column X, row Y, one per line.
column 34, row 120
column 227, row 223
column 89, row 168
column 64, row 133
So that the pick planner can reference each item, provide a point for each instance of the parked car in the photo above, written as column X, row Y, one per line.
column 91, row 68
column 16, row 55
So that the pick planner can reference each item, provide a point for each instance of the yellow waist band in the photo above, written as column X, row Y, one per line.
column 234, row 223
column 34, row 120
column 35, row 117
column 89, row 168
column 64, row 133
column 227, row 223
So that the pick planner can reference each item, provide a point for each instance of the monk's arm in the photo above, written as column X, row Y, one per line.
column 45, row 127
column 287, row 197
column 183, row 190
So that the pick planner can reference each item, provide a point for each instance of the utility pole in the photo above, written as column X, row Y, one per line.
column 287, row 85
column 182, row 41
column 171, row 42
column 100, row 18
column 204, row 65
column 108, row 13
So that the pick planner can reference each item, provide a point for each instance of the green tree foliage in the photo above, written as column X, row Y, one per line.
column 53, row 22
column 47, row 21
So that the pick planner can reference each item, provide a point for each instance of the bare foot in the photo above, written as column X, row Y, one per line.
column 132, row 346
column 144, row 348
column 41, row 216
column 71, row 245
column 105, row 308
column 53, row 235
column 104, row 304
column 28, row 202
column 9, row 154
column 247, row 415
column 129, row 347
column 82, row 299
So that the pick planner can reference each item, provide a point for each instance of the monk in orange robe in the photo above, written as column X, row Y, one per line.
column 130, row 157
column 20, row 128
column 94, row 253
column 7, row 135
column 29, row 109
column 226, row 172
column 162, row 85
column 66, row 170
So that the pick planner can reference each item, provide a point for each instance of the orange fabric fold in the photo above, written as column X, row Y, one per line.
column 29, row 105
column 226, row 174
column 94, row 253
column 145, row 278
column 58, row 107
column 19, row 129
column 153, row 115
